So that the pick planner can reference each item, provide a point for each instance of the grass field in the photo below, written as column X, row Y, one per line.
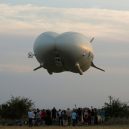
column 57, row 127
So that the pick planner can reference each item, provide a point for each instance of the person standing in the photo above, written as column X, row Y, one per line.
column 74, row 117
column 54, row 115
column 68, row 113
column 30, row 118
column 43, row 116
column 60, row 117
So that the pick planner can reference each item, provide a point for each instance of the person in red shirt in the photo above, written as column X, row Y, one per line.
column 43, row 115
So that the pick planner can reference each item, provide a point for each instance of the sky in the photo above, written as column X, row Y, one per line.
column 106, row 20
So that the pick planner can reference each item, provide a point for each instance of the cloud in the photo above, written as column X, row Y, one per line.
column 33, row 19
column 29, row 20
column 20, row 24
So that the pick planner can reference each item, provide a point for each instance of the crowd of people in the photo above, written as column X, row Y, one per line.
column 78, row 116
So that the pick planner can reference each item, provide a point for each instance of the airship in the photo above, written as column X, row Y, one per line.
column 69, row 51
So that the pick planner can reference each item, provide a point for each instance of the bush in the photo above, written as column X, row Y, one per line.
column 15, row 108
column 116, row 109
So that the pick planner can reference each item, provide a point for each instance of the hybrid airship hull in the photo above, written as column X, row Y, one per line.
column 69, row 51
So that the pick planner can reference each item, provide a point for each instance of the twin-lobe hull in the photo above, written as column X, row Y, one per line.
column 69, row 51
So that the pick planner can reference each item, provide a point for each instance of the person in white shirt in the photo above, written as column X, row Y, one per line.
column 30, row 118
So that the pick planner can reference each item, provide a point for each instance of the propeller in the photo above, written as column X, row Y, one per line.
column 30, row 55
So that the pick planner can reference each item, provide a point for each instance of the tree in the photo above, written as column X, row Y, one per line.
column 116, row 108
column 16, row 108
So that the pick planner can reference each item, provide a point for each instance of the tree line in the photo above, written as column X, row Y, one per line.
column 18, row 107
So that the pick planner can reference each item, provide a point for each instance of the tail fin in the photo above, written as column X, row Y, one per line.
column 92, row 40
column 41, row 65
column 92, row 64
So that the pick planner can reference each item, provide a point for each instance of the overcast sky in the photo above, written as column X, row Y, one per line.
column 106, row 20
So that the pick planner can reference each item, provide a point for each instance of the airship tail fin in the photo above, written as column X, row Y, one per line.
column 92, row 40
column 41, row 65
column 92, row 64
column 37, row 68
